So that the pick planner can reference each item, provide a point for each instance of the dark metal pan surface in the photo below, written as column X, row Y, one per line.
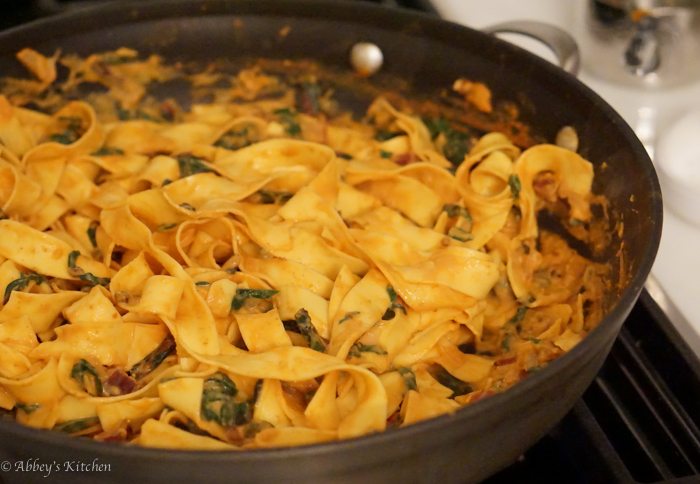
column 427, row 54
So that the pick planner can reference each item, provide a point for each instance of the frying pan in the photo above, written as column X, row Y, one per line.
column 428, row 54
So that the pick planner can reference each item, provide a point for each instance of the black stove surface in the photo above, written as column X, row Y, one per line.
column 639, row 422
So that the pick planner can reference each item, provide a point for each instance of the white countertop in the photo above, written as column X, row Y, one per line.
column 649, row 112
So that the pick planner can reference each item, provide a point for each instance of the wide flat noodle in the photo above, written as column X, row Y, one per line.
column 573, row 178
column 416, row 131
column 295, row 363
column 42, row 252
column 261, row 269
column 161, row 435
column 484, row 183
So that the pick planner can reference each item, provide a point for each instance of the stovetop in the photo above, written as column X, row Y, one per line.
column 639, row 422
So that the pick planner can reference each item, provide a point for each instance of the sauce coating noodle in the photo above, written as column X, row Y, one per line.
column 265, row 270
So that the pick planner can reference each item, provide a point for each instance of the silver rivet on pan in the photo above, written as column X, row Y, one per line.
column 366, row 58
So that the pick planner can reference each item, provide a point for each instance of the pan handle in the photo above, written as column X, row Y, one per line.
column 559, row 41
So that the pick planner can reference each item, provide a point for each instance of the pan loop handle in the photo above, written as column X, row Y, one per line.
column 557, row 40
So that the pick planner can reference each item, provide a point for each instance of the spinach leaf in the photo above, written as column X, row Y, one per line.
column 436, row 126
column 456, row 146
column 409, row 378
column 456, row 143
column 358, row 348
column 187, row 206
column 28, row 407
column 79, row 272
column 460, row 234
column 235, row 139
column 394, row 305
column 92, row 233
column 519, row 315
column 348, row 316
column 123, row 114
column 93, row 280
column 461, row 231
column 72, row 263
column 218, row 404
column 454, row 210
column 20, row 283
column 107, row 151
column 515, row 185
column 307, row 329
column 252, row 428
column 190, row 165
column 77, row 425
column 288, row 118
column 72, row 130
column 153, row 359
column 64, row 138
column 271, row 197
column 221, row 383
column 166, row 227
column 243, row 294
column 505, row 343
column 126, row 115
column 88, row 378
column 384, row 135
column 445, row 378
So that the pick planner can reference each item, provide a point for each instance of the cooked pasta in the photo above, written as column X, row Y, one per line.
column 263, row 269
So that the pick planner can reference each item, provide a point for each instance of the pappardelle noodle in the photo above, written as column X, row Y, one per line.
column 263, row 269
